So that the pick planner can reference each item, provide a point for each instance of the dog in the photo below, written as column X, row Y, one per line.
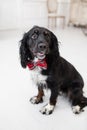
column 39, row 51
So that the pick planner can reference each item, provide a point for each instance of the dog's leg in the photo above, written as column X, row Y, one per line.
column 77, row 99
column 39, row 98
column 78, row 104
column 48, row 109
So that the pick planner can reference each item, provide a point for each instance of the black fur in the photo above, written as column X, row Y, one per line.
column 62, row 76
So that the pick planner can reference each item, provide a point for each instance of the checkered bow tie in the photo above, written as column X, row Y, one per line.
column 40, row 63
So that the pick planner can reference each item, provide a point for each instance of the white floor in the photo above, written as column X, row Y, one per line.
column 16, row 88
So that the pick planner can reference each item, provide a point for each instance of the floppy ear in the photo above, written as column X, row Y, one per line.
column 25, row 53
column 54, row 44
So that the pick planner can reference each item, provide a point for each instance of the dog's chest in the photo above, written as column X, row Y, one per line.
column 37, row 77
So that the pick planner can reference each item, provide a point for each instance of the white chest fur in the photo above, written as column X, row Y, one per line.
column 36, row 75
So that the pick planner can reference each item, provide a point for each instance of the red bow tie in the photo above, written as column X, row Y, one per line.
column 40, row 63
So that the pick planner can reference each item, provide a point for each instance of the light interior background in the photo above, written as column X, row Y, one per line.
column 16, row 87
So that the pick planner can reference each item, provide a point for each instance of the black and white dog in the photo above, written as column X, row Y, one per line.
column 39, row 51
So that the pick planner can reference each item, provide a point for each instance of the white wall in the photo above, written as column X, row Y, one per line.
column 26, row 13
column 36, row 13
column 9, row 14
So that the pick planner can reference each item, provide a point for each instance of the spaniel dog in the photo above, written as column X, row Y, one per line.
column 39, row 51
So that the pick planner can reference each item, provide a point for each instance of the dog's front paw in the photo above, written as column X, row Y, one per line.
column 48, row 109
column 36, row 100
column 77, row 109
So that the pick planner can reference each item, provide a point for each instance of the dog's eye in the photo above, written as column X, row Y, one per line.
column 46, row 34
column 34, row 36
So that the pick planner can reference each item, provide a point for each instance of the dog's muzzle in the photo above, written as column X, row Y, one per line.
column 42, row 50
column 42, row 47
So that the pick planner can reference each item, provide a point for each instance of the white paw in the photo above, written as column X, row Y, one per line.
column 76, row 109
column 36, row 100
column 33, row 100
column 48, row 109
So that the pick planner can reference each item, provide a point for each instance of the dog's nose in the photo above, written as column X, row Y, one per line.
column 42, row 46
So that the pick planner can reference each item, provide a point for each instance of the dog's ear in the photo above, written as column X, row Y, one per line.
column 54, row 44
column 25, row 53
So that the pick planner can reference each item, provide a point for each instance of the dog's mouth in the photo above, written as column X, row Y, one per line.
column 40, row 55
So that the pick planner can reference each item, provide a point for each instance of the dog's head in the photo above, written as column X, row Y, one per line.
column 38, row 42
